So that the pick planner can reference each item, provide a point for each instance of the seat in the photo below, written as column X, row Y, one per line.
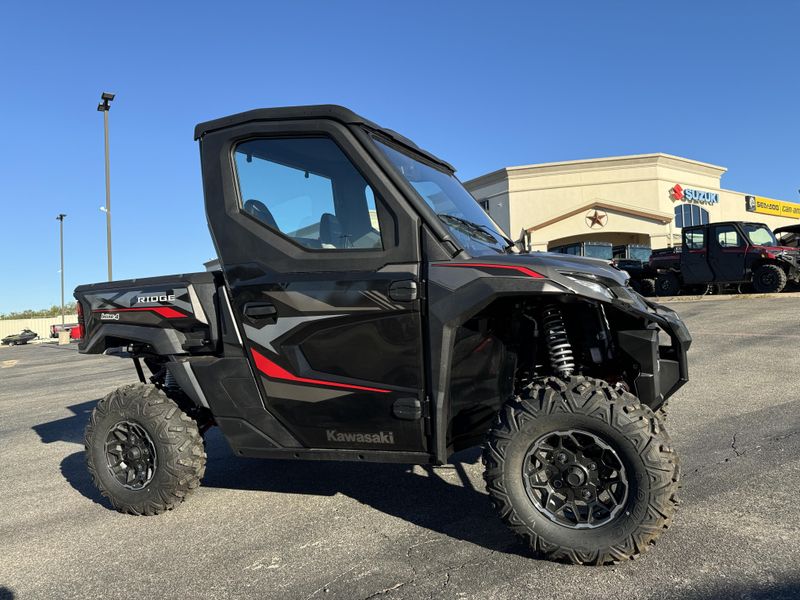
column 330, row 231
column 259, row 210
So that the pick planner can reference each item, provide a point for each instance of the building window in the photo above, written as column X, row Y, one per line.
column 484, row 205
column 687, row 215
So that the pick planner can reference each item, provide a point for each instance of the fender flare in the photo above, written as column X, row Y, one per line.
column 163, row 341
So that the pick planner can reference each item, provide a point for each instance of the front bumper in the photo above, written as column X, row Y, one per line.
column 662, row 369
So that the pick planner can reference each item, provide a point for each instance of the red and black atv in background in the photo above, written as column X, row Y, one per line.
column 731, row 253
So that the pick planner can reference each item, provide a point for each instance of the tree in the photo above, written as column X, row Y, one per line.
column 53, row 311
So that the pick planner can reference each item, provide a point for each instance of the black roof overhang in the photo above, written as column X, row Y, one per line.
column 788, row 229
column 319, row 111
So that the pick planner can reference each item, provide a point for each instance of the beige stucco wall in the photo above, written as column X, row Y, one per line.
column 550, row 201
column 40, row 326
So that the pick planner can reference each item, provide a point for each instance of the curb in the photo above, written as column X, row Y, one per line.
column 724, row 297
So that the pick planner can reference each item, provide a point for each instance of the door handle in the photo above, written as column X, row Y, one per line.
column 259, row 311
column 403, row 291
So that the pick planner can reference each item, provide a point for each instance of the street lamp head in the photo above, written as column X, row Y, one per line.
column 60, row 217
column 106, row 98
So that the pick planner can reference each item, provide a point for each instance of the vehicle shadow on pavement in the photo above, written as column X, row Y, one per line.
column 5, row 593
column 441, row 499
column 788, row 590
column 73, row 467
column 69, row 429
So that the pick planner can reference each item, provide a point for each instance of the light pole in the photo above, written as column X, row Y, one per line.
column 104, row 107
column 60, row 218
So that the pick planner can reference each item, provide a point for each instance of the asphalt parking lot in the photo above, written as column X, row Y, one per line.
column 272, row 529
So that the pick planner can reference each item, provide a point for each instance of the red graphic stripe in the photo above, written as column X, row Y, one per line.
column 164, row 311
column 524, row 270
column 273, row 371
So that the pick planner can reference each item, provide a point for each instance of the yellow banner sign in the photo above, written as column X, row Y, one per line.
column 768, row 206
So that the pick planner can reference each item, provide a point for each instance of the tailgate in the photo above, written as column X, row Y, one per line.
column 175, row 311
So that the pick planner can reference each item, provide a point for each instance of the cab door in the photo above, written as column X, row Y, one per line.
column 321, row 258
column 727, row 252
column 694, row 257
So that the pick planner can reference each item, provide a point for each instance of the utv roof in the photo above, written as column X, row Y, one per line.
column 727, row 223
column 318, row 111
column 788, row 229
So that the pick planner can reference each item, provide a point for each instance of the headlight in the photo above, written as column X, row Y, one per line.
column 596, row 287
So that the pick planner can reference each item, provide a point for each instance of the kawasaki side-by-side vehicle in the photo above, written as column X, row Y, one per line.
column 368, row 309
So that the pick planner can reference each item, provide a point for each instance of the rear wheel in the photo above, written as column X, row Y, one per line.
column 144, row 454
column 583, row 472
column 769, row 279
column 667, row 285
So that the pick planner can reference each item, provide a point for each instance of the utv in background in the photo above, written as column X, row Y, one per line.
column 601, row 250
column 634, row 259
column 732, row 253
column 368, row 309
column 638, row 252
column 788, row 236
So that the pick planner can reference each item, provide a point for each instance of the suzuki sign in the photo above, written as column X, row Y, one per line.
column 681, row 194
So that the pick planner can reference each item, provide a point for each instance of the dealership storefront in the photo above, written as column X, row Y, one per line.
column 643, row 199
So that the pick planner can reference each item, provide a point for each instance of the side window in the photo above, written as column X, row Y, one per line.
column 307, row 190
column 728, row 237
column 695, row 240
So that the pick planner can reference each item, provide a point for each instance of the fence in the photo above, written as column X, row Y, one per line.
column 40, row 326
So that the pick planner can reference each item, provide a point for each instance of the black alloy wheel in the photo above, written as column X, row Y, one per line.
column 131, row 455
column 575, row 479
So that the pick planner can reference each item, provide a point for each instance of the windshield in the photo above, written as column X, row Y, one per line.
column 642, row 254
column 759, row 235
column 598, row 251
column 453, row 204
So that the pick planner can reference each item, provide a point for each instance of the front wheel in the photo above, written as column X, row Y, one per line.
column 769, row 279
column 584, row 473
column 144, row 454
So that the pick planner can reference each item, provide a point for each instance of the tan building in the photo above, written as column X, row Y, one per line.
column 641, row 199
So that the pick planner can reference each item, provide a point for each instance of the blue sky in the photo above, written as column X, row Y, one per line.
column 482, row 84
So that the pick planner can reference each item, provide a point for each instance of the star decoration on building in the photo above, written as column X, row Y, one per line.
column 596, row 219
